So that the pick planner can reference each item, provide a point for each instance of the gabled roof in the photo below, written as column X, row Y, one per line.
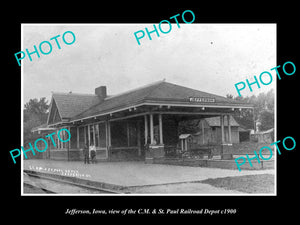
column 71, row 104
column 215, row 121
column 120, row 101
column 79, row 106
column 158, row 92
column 173, row 92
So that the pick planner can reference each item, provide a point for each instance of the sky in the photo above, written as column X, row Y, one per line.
column 207, row 57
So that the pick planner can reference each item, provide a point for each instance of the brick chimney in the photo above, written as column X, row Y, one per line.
column 101, row 92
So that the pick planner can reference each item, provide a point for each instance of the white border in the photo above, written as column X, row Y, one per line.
column 22, row 113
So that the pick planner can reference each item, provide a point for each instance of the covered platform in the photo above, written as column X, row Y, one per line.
column 138, row 125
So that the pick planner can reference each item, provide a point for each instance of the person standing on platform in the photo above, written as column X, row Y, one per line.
column 86, row 154
column 93, row 153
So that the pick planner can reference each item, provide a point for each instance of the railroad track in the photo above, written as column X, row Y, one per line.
column 51, row 185
column 37, row 189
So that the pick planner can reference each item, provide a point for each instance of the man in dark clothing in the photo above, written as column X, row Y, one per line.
column 93, row 156
column 86, row 154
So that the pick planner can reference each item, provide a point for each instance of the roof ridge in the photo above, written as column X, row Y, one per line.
column 163, row 81
column 72, row 93
column 117, row 95
column 207, row 93
column 136, row 89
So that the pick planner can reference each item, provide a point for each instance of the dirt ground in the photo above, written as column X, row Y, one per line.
column 249, row 184
column 257, row 184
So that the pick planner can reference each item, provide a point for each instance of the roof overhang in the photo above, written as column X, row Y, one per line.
column 166, row 104
column 40, row 129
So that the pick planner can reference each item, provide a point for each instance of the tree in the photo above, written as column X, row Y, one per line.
column 230, row 96
column 263, row 110
column 270, row 100
column 35, row 114
column 188, row 126
column 36, row 107
column 266, row 119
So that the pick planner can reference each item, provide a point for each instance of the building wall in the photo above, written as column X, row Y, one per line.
column 124, row 154
column 170, row 133
column 115, row 154
column 212, row 136
column 74, row 154
column 234, row 135
column 123, row 148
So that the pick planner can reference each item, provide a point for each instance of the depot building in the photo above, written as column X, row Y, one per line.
column 140, row 124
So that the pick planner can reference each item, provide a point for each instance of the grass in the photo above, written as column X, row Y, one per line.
column 260, row 183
